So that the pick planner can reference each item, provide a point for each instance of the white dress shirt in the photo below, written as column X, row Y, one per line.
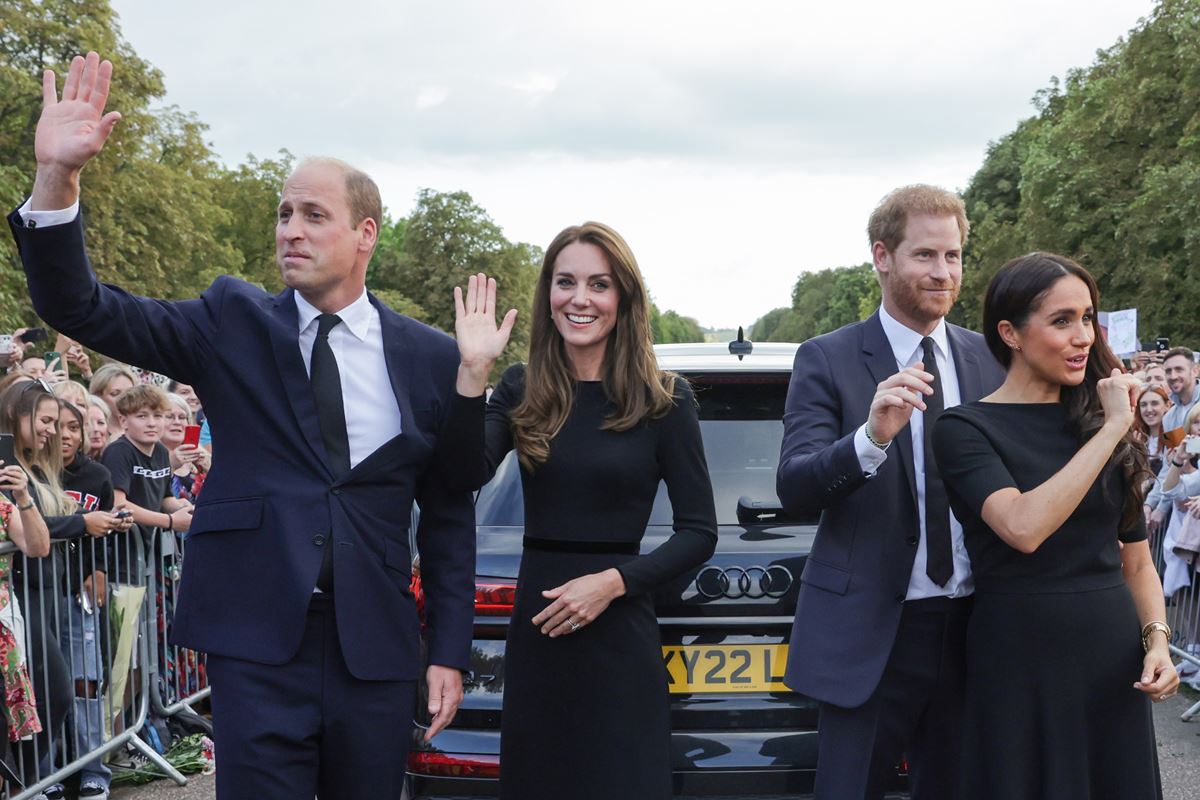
column 906, row 347
column 372, row 414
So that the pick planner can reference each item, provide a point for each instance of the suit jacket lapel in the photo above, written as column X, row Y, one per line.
column 881, row 363
column 966, row 364
column 284, row 331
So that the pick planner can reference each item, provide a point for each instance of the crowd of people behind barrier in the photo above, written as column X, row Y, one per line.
column 116, row 452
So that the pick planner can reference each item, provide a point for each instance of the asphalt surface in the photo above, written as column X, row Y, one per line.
column 1178, row 756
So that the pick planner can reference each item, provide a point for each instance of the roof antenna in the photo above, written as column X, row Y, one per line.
column 741, row 346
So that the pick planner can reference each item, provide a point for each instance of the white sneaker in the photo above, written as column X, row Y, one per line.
column 93, row 791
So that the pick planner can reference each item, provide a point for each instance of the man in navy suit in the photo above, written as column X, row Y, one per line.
column 331, row 414
column 885, row 594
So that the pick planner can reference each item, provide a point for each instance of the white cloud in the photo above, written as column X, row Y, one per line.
column 733, row 144
column 430, row 96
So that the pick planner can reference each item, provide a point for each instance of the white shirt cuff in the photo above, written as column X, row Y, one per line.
column 870, row 457
column 44, row 219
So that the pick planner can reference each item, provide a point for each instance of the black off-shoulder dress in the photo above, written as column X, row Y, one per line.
column 586, row 715
column 1053, row 644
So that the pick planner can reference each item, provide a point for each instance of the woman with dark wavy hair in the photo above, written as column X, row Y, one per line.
column 596, row 426
column 1067, row 643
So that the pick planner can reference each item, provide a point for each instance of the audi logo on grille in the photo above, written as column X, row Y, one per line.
column 744, row 582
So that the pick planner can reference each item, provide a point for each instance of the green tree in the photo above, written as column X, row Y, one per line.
column 1106, row 173
column 445, row 240
column 670, row 327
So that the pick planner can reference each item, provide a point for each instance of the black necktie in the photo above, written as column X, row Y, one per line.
column 331, row 416
column 939, row 560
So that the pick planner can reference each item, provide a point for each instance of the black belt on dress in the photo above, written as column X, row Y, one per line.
column 576, row 546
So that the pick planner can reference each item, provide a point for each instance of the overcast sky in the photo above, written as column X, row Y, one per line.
column 733, row 144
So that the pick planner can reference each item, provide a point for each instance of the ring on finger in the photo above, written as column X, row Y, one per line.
column 574, row 625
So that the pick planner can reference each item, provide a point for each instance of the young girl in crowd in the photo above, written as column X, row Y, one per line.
column 22, row 523
column 89, row 484
column 1152, row 403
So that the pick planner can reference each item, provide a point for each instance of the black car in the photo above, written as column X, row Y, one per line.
column 736, row 729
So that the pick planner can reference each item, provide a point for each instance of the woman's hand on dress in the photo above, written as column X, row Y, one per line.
column 480, row 340
column 578, row 602
column 1159, row 678
column 1118, row 398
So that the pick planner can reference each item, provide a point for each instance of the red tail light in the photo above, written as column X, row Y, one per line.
column 454, row 765
column 494, row 598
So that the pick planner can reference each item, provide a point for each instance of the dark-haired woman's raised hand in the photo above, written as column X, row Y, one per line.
column 480, row 339
column 1118, row 398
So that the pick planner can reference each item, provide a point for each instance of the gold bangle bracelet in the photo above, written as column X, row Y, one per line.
column 1149, row 628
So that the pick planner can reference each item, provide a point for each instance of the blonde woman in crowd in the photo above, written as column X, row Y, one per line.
column 110, row 382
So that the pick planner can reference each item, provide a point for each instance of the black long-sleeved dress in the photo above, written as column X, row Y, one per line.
column 586, row 715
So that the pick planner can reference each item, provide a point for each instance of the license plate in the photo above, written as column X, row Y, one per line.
column 695, row 669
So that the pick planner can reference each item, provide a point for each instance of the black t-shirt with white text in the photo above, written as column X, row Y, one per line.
column 145, row 479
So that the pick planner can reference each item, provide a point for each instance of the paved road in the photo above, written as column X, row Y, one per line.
column 1178, row 754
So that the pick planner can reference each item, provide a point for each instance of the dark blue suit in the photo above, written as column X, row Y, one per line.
column 271, row 500
column 854, row 583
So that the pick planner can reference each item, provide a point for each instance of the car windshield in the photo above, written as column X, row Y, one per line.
column 741, row 421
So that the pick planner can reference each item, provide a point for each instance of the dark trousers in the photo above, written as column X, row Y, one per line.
column 308, row 727
column 916, row 711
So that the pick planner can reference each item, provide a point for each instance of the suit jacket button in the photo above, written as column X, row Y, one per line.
column 899, row 598
column 319, row 540
column 912, row 540
column 335, row 491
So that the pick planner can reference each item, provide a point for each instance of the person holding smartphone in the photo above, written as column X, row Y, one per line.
column 189, row 461
column 85, row 642
column 22, row 523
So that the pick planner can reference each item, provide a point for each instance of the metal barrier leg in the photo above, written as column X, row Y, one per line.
column 160, row 762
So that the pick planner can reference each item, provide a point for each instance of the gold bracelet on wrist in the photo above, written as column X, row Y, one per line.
column 1152, row 626
column 881, row 445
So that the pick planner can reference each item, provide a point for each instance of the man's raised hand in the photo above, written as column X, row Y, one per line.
column 895, row 400
column 71, row 130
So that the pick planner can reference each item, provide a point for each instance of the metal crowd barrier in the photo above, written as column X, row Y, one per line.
column 1182, row 590
column 97, row 659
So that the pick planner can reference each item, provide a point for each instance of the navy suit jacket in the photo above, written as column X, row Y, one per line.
column 856, row 577
column 271, row 501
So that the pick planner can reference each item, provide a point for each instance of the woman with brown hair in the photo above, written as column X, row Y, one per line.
column 1067, row 642
column 1152, row 404
column 596, row 425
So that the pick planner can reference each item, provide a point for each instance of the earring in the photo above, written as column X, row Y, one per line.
column 1017, row 347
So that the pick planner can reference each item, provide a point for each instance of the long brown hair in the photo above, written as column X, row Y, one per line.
column 1138, row 422
column 44, row 467
column 1015, row 292
column 630, row 376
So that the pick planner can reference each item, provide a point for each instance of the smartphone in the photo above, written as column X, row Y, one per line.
column 8, row 449
column 191, row 435
column 33, row 335
column 85, row 602
column 51, row 357
column 1162, row 343
column 1193, row 446
column 123, row 514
